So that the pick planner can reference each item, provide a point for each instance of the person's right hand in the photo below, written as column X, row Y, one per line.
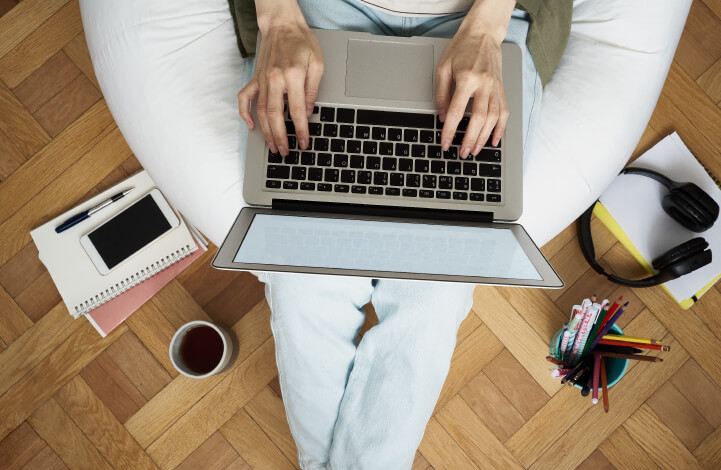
column 289, row 62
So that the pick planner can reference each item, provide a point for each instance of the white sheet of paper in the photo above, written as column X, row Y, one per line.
column 635, row 202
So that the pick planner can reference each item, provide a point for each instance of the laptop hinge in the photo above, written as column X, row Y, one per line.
column 384, row 211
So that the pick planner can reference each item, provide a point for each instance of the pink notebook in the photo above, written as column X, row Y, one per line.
column 112, row 313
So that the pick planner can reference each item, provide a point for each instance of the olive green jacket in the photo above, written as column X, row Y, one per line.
column 547, row 35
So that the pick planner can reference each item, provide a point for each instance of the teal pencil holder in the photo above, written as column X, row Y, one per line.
column 615, row 367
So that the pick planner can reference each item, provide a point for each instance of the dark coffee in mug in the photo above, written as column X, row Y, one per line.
column 201, row 349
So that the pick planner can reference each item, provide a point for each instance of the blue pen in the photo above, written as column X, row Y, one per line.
column 76, row 219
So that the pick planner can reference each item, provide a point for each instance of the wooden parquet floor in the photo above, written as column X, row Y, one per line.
column 71, row 399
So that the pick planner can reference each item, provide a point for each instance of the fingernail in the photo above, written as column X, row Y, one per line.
column 445, row 143
column 283, row 150
column 309, row 110
column 272, row 147
column 303, row 143
column 476, row 149
column 465, row 151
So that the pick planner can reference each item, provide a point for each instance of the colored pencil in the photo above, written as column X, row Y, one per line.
column 555, row 361
column 608, row 326
column 617, row 349
column 573, row 372
column 611, row 311
column 632, row 339
column 557, row 373
column 597, row 326
column 631, row 356
column 604, row 385
column 596, row 374
column 656, row 347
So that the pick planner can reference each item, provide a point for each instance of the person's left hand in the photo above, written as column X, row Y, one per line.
column 473, row 61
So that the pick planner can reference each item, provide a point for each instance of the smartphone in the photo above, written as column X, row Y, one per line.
column 131, row 230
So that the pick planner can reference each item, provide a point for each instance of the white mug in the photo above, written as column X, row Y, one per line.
column 176, row 341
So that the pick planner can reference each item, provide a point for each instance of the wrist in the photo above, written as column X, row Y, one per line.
column 489, row 18
column 274, row 13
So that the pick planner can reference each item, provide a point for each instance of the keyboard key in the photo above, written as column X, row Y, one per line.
column 413, row 180
column 479, row 197
column 390, row 164
column 396, row 179
column 470, row 168
column 490, row 139
column 292, row 142
column 439, row 124
column 494, row 186
column 325, row 187
column 375, row 190
column 315, row 174
column 364, row 177
column 330, row 130
column 315, row 128
column 458, row 138
column 324, row 159
column 274, row 184
column 421, row 166
column 331, row 175
column 385, row 148
column 358, row 189
column 425, row 193
column 292, row 158
column 438, row 166
column 494, row 198
column 405, row 164
column 362, row 132
column 395, row 134
column 340, row 160
column 478, row 184
column 298, row 173
column 373, row 163
column 461, row 183
column 320, row 144
column 274, row 157
column 460, row 196
column 307, row 158
column 380, row 178
column 278, row 172
column 346, row 131
column 379, row 133
column 305, row 186
column 488, row 155
column 426, row 137
column 429, row 181
column 418, row 151
column 289, row 128
column 443, row 194
column 489, row 170
column 356, row 161
column 290, row 185
column 463, row 124
column 315, row 109
column 327, row 114
column 370, row 148
column 410, row 135
column 438, row 137
column 451, row 153
column 402, row 150
column 445, row 182
column 353, row 146
column 393, row 191
column 394, row 118
column 410, row 192
column 345, row 115
column 435, row 151
column 341, row 188
column 347, row 176
column 454, row 168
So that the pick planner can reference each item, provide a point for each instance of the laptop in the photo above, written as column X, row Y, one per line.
column 374, row 194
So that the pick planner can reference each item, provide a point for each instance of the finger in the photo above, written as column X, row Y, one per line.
column 502, row 121
column 444, row 84
column 454, row 114
column 475, row 124
column 312, row 81
column 249, row 91
column 276, row 89
column 296, row 105
column 262, row 110
column 491, row 121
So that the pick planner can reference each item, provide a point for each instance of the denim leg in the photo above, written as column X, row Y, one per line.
column 315, row 321
column 400, row 367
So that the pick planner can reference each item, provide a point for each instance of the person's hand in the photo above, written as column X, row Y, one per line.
column 473, row 61
column 289, row 62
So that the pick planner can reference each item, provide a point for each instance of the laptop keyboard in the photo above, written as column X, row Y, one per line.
column 384, row 154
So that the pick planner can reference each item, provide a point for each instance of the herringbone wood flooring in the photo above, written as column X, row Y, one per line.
column 70, row 398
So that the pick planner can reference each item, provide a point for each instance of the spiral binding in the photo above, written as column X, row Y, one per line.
column 711, row 175
column 132, row 281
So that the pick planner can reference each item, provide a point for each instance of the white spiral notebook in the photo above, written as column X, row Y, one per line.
column 79, row 282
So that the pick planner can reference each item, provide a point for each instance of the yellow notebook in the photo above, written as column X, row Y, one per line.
column 631, row 209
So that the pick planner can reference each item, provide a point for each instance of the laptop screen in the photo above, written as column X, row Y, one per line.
column 371, row 245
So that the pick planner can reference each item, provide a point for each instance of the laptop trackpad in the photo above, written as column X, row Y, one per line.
column 389, row 70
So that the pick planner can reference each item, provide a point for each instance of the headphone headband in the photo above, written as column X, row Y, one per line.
column 664, row 180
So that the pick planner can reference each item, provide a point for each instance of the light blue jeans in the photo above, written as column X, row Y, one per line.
column 366, row 404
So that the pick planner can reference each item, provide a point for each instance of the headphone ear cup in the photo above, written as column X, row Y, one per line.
column 691, row 207
column 683, row 258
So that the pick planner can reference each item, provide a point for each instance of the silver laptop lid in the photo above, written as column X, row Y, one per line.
column 384, row 247
column 368, row 71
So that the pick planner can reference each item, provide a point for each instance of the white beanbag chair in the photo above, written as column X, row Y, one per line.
column 170, row 72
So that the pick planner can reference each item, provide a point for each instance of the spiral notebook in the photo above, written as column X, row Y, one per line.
column 631, row 208
column 79, row 282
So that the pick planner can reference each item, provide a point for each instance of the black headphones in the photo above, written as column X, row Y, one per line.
column 688, row 205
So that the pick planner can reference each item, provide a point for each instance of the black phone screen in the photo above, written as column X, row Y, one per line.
column 129, row 231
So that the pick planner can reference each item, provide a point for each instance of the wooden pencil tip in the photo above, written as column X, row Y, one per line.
column 665, row 348
column 626, row 304
column 605, row 408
